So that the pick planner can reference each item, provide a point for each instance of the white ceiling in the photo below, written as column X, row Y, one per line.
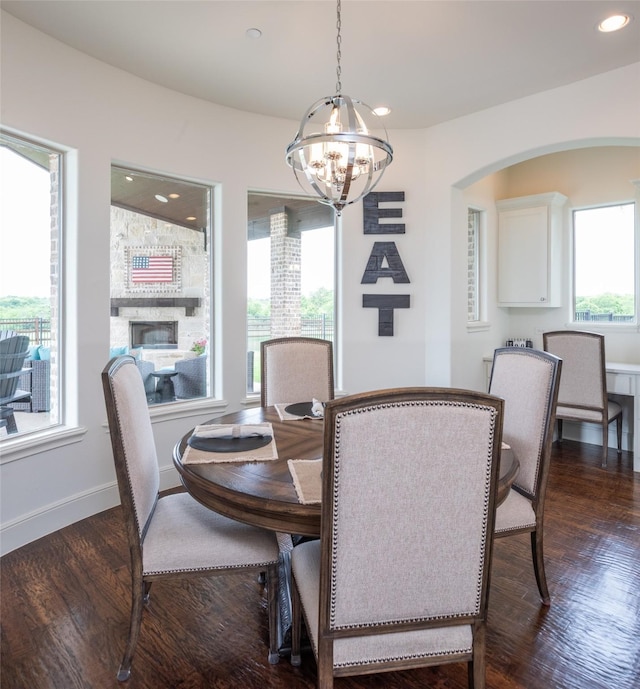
column 429, row 60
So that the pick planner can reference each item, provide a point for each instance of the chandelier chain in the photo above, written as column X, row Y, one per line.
column 333, row 155
column 339, row 49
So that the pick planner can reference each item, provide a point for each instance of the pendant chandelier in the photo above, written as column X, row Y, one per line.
column 333, row 154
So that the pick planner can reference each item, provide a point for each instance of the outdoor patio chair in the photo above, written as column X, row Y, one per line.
column 13, row 351
column 191, row 380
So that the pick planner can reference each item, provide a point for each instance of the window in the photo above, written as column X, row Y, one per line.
column 30, row 285
column 604, row 264
column 291, row 273
column 473, row 265
column 161, row 281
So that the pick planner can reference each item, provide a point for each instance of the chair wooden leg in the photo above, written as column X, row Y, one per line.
column 605, row 442
column 537, row 555
column 296, row 622
column 619, row 432
column 324, row 663
column 476, row 667
column 139, row 595
column 272, row 604
column 559, row 430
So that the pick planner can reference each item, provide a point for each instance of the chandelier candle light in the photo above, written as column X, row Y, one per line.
column 333, row 154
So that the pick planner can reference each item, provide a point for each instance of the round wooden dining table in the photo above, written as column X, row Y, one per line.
column 262, row 493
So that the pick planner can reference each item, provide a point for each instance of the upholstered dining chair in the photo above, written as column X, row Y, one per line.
column 528, row 381
column 172, row 536
column 408, row 502
column 14, row 349
column 583, row 386
column 296, row 369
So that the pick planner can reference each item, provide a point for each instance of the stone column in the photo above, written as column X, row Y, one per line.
column 285, row 276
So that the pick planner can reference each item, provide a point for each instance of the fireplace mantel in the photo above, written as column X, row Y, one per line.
column 188, row 303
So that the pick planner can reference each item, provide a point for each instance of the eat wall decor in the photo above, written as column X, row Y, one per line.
column 384, row 259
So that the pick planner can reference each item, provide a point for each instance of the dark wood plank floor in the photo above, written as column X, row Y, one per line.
column 65, row 606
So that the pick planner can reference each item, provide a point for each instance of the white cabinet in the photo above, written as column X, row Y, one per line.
column 530, row 250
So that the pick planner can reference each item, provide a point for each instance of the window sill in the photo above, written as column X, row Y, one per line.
column 603, row 327
column 40, row 441
column 185, row 408
column 478, row 326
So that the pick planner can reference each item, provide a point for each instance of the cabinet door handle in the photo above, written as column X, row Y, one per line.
column 543, row 299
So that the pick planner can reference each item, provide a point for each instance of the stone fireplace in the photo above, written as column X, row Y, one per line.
column 157, row 315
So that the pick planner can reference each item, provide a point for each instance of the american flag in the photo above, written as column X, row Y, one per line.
column 152, row 269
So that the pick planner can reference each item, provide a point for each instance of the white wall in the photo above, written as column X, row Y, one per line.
column 104, row 115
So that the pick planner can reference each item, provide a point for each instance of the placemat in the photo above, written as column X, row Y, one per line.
column 261, row 454
column 307, row 479
column 286, row 416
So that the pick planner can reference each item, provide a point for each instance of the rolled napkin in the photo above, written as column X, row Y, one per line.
column 229, row 430
column 317, row 408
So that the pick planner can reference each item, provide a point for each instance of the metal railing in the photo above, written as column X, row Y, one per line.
column 38, row 330
column 259, row 329
column 609, row 317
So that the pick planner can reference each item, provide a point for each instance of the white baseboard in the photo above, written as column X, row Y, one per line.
column 49, row 518
column 592, row 433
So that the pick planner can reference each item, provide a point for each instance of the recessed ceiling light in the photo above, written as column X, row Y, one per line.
column 174, row 196
column 614, row 23
column 190, row 217
column 129, row 178
column 253, row 33
column 382, row 111
column 161, row 198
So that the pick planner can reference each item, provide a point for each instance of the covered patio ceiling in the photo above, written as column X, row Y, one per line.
column 186, row 203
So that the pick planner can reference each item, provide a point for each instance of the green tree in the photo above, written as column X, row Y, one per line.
column 258, row 308
column 618, row 304
column 318, row 303
column 20, row 308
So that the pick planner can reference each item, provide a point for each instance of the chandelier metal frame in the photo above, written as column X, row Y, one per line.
column 333, row 155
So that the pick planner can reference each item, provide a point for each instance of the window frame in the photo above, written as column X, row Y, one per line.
column 58, row 195
column 597, row 325
column 161, row 407
column 480, row 258
column 278, row 201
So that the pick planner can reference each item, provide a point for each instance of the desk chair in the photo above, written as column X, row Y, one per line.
column 13, row 351
column 296, row 369
column 583, row 386
column 528, row 381
column 400, row 576
column 172, row 536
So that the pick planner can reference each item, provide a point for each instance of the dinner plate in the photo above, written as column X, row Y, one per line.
column 301, row 409
column 228, row 443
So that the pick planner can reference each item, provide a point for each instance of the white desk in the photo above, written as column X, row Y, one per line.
column 622, row 379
